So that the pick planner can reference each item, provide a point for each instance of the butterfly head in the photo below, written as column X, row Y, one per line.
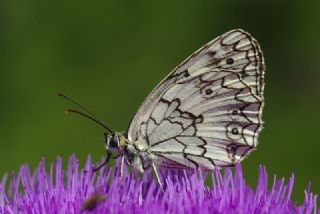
column 115, row 142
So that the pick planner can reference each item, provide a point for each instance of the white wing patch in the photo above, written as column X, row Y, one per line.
column 207, row 112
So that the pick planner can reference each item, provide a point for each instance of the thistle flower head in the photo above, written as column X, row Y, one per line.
column 80, row 190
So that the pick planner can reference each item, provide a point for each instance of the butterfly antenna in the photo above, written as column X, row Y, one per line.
column 89, row 114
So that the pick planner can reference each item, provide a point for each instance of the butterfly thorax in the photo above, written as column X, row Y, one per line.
column 135, row 153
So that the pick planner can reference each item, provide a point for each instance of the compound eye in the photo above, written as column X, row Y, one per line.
column 114, row 142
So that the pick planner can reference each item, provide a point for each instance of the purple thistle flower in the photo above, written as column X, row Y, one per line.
column 76, row 191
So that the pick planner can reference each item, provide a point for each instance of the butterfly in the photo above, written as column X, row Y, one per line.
column 205, row 114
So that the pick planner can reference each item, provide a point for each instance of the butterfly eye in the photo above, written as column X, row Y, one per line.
column 113, row 141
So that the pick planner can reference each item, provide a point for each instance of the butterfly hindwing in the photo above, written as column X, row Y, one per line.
column 207, row 111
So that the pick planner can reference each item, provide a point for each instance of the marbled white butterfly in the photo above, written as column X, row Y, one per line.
column 205, row 114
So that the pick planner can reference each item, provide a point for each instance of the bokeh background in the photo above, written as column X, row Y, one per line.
column 109, row 55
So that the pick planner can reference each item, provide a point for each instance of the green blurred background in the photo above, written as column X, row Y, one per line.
column 109, row 55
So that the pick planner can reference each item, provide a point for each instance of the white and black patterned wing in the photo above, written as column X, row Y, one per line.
column 207, row 111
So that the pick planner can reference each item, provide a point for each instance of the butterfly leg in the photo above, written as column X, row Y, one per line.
column 121, row 166
column 157, row 174
column 104, row 163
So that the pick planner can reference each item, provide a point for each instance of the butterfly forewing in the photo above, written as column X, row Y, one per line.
column 207, row 111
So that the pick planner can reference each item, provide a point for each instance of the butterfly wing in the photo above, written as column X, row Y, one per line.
column 207, row 111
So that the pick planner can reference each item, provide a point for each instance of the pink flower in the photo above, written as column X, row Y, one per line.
column 80, row 190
